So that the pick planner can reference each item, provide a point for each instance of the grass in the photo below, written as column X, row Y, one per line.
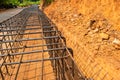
column 12, row 3
column 28, row 3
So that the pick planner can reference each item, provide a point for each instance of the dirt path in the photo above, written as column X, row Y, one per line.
column 35, row 70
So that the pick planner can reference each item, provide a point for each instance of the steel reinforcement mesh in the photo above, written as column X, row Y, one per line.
column 32, row 48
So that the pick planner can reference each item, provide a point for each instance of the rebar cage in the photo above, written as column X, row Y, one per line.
column 32, row 48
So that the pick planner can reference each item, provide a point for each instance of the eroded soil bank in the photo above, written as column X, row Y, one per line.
column 91, row 28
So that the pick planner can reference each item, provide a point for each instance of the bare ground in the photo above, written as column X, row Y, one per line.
column 33, row 70
column 92, row 36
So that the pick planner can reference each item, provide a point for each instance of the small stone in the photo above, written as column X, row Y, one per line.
column 75, row 15
column 104, row 36
column 116, row 41
column 96, row 30
column 72, row 19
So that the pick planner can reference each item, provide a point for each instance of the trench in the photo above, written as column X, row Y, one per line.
column 32, row 48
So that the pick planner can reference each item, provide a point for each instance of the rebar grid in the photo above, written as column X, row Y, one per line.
column 29, row 44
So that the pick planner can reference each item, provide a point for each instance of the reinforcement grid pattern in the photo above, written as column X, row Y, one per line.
column 32, row 48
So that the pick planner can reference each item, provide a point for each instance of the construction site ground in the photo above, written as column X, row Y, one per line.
column 92, row 33
column 35, row 70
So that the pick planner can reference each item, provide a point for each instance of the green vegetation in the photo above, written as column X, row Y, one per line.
column 15, row 3
column 49, row 1
column 29, row 2
column 22, row 3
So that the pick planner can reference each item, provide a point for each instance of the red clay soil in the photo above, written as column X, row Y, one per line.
column 91, row 28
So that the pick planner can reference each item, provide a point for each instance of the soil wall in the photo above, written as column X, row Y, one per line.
column 91, row 28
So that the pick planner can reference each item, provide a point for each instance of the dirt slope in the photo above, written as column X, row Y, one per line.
column 91, row 28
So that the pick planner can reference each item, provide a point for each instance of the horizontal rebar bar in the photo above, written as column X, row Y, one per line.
column 33, row 25
column 19, row 29
column 27, row 33
column 25, row 29
column 27, row 61
column 35, row 51
column 47, row 27
column 31, row 46
column 29, row 39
